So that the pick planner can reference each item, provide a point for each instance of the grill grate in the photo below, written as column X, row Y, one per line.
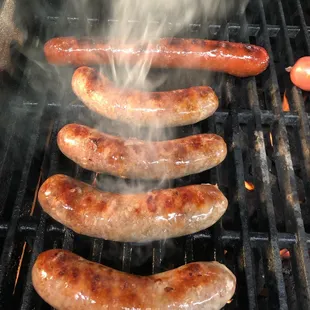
column 257, row 225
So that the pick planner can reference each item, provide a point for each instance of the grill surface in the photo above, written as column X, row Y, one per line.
column 258, row 224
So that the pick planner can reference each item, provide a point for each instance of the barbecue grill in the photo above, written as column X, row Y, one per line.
column 264, row 235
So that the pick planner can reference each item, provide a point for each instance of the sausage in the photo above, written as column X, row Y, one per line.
column 158, row 109
column 67, row 281
column 142, row 217
column 237, row 59
column 133, row 158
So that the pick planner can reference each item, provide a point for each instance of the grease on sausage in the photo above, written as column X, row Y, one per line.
column 160, row 109
column 142, row 217
column 69, row 282
column 237, row 59
column 133, row 158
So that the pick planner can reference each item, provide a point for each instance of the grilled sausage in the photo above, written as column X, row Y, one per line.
column 134, row 158
column 237, row 59
column 143, row 217
column 159, row 109
column 69, row 282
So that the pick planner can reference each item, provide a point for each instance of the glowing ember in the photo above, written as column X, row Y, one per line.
column 271, row 139
column 229, row 301
column 19, row 266
column 285, row 254
column 249, row 186
column 285, row 105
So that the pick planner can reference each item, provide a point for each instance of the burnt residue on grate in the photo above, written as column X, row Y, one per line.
column 263, row 237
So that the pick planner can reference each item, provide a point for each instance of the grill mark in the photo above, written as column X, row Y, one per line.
column 180, row 153
column 168, row 289
column 196, row 142
column 95, row 280
column 151, row 205
column 75, row 273
column 168, row 203
column 78, row 131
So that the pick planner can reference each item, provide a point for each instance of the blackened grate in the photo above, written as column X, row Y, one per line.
column 267, row 147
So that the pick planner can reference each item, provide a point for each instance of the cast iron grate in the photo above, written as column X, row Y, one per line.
column 267, row 147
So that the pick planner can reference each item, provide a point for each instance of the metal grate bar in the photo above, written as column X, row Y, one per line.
column 304, row 28
column 244, row 116
column 37, row 248
column 299, row 106
column 126, row 261
column 189, row 250
column 158, row 251
column 97, row 248
column 237, row 200
column 262, row 184
column 52, row 156
column 158, row 254
column 286, row 177
column 258, row 239
column 10, row 245
column 96, row 244
column 217, row 228
column 6, row 164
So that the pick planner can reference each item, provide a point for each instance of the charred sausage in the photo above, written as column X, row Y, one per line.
column 132, row 158
column 142, row 217
column 69, row 282
column 158, row 109
column 237, row 59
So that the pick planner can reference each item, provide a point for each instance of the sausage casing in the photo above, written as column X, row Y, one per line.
column 69, row 282
column 133, row 158
column 154, row 109
column 237, row 59
column 141, row 217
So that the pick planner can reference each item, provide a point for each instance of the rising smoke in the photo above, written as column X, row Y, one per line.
column 130, row 21
column 144, row 21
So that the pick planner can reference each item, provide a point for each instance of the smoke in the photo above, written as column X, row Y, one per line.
column 142, row 22
column 145, row 21
column 127, row 21
column 138, row 22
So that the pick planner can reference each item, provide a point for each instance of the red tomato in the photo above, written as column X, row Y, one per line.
column 300, row 73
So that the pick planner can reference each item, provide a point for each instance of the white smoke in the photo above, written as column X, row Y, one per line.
column 143, row 21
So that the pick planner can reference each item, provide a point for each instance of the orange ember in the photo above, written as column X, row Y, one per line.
column 285, row 254
column 229, row 301
column 271, row 139
column 249, row 186
column 285, row 105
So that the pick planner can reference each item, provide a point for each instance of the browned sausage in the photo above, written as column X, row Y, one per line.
column 161, row 109
column 132, row 158
column 234, row 58
column 69, row 282
column 143, row 217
